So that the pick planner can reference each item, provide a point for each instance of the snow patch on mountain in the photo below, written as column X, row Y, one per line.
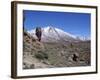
column 52, row 34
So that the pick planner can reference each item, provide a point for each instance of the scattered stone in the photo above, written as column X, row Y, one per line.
column 75, row 57
column 32, row 66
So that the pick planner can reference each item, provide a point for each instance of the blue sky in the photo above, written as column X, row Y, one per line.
column 74, row 23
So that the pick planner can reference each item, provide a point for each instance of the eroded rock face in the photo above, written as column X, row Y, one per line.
column 31, row 48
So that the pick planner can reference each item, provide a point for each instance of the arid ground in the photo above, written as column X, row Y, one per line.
column 49, row 55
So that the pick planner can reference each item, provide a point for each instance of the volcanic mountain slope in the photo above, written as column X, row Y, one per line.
column 50, row 54
column 52, row 34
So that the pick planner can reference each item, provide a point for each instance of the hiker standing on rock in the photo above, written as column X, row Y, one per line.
column 38, row 33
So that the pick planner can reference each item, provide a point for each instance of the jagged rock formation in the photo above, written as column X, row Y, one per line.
column 31, row 56
column 38, row 33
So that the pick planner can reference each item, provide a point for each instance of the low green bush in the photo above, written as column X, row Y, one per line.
column 41, row 55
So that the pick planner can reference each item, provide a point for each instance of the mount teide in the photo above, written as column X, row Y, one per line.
column 52, row 34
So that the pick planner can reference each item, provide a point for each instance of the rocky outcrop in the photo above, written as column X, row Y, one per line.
column 31, row 48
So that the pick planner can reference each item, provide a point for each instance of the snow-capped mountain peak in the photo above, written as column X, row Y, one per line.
column 52, row 34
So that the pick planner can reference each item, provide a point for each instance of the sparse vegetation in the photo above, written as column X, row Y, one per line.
column 42, row 55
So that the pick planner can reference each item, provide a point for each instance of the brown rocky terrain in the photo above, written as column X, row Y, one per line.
column 49, row 55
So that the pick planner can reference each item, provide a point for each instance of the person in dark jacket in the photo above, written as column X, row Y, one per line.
column 38, row 33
